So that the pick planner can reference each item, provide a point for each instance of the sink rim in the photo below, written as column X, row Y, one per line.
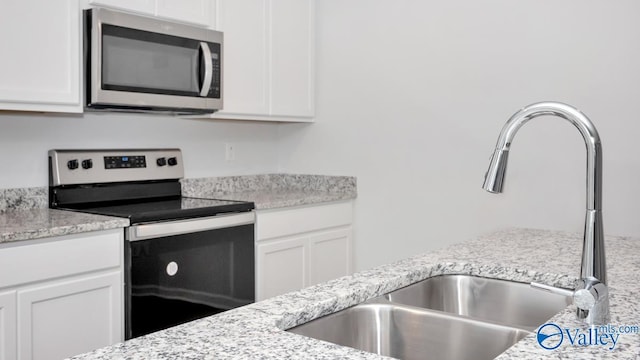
column 381, row 301
column 522, row 285
column 479, row 322
column 381, row 309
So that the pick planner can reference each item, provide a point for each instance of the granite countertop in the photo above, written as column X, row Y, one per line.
column 256, row 331
column 26, row 224
column 273, row 191
column 24, row 214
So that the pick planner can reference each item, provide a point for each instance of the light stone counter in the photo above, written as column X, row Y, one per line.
column 256, row 331
column 24, row 214
column 27, row 224
column 273, row 190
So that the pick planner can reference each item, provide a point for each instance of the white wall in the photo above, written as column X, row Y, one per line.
column 411, row 96
column 26, row 138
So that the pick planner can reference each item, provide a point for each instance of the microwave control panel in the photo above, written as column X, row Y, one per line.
column 216, row 81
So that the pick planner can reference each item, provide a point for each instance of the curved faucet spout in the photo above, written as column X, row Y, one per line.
column 593, row 266
column 494, row 179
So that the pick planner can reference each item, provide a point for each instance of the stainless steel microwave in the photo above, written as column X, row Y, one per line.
column 142, row 64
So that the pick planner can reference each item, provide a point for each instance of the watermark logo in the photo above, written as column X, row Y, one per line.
column 550, row 336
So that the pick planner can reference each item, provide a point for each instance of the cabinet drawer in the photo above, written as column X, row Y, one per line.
column 37, row 260
column 291, row 221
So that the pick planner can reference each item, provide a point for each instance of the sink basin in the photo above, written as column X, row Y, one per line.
column 407, row 332
column 506, row 302
column 444, row 317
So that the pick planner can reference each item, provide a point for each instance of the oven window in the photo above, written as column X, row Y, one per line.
column 180, row 278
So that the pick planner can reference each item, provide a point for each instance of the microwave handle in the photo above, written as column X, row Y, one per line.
column 208, row 69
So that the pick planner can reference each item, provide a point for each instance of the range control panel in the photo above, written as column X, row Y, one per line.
column 71, row 167
column 125, row 162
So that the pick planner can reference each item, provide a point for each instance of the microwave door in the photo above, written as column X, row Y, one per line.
column 140, row 69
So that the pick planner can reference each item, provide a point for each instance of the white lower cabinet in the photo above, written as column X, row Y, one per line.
column 302, row 246
column 282, row 267
column 61, row 296
column 65, row 318
column 329, row 255
column 8, row 325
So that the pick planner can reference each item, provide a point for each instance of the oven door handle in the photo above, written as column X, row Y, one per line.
column 157, row 230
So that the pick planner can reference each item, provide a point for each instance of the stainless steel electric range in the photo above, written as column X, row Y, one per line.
column 185, row 258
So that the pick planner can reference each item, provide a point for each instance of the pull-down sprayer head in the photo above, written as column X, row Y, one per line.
column 494, row 178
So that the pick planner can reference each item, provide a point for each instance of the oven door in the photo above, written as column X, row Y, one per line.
column 144, row 63
column 198, row 268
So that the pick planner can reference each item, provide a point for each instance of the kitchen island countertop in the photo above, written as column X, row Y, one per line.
column 257, row 331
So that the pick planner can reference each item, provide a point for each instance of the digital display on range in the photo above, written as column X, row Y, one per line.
column 125, row 162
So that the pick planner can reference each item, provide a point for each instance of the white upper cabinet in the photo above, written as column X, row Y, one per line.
column 292, row 55
column 268, row 56
column 147, row 7
column 245, row 56
column 40, row 62
column 268, row 66
column 189, row 11
column 197, row 12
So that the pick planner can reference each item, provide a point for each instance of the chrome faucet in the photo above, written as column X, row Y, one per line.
column 591, row 294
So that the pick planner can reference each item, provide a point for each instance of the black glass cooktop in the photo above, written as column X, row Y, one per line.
column 168, row 209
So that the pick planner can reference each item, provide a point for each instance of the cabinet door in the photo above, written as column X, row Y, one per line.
column 245, row 61
column 8, row 325
column 68, row 317
column 292, row 58
column 189, row 11
column 281, row 267
column 329, row 255
column 147, row 7
column 40, row 62
column 268, row 63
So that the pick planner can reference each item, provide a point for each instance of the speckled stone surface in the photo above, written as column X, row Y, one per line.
column 271, row 191
column 16, row 225
column 256, row 331
column 23, row 199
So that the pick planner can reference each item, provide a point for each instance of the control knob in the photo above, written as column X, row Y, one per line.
column 172, row 161
column 161, row 161
column 87, row 164
column 72, row 164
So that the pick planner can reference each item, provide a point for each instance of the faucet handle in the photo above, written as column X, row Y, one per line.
column 552, row 289
column 587, row 297
column 591, row 299
column 584, row 298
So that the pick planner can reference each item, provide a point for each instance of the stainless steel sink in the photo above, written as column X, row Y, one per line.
column 406, row 332
column 444, row 317
column 506, row 302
